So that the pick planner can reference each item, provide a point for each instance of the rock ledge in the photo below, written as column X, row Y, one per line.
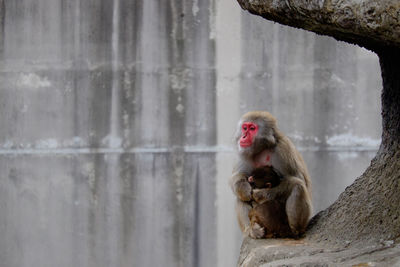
column 289, row 252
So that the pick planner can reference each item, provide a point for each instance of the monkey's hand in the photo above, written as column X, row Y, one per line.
column 256, row 231
column 262, row 195
column 242, row 190
column 250, row 179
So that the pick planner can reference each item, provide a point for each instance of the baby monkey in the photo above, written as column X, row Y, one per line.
column 270, row 216
column 264, row 177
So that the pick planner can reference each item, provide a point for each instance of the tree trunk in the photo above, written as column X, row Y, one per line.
column 390, row 66
column 368, row 210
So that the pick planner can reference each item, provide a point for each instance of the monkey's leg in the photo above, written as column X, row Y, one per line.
column 242, row 212
column 298, row 209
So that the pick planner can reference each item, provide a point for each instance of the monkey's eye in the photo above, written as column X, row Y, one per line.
column 252, row 128
column 245, row 127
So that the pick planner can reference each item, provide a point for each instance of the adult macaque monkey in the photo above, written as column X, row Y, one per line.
column 260, row 144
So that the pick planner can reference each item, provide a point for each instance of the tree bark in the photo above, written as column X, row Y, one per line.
column 368, row 211
column 369, row 23
column 390, row 67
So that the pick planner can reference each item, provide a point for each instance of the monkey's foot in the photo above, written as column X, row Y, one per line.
column 256, row 231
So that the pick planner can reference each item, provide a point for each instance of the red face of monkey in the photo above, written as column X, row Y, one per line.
column 249, row 131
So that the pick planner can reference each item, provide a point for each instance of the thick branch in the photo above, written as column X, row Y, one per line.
column 369, row 23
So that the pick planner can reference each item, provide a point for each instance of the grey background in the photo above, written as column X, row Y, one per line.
column 117, row 118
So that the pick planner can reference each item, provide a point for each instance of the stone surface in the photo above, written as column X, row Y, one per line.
column 286, row 252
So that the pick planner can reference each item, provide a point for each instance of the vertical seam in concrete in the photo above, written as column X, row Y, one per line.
column 2, row 25
column 196, row 226
column 113, row 166
column 115, row 95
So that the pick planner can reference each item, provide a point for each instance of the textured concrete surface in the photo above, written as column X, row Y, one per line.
column 117, row 117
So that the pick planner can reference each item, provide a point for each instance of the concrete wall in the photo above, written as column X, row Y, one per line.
column 117, row 117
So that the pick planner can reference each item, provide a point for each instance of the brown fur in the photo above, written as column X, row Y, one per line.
column 271, row 214
column 293, row 194
column 264, row 177
column 272, row 217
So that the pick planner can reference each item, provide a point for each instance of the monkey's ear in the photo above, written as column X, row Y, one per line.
column 271, row 138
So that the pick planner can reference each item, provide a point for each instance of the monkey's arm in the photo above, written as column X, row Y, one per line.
column 264, row 194
column 240, row 186
column 289, row 162
column 280, row 192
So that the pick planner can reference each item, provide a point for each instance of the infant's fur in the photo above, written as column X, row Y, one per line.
column 271, row 214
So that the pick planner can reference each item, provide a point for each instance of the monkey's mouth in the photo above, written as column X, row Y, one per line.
column 245, row 144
